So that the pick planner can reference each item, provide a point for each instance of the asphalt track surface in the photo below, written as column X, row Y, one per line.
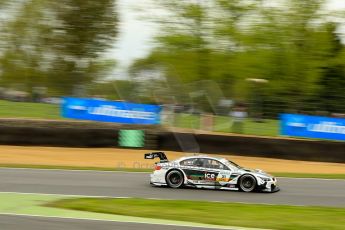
column 315, row 192
column 8, row 222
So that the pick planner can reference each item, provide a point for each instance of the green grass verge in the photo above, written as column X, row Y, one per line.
column 228, row 214
column 224, row 124
column 33, row 205
column 221, row 123
column 309, row 175
column 29, row 110
column 276, row 174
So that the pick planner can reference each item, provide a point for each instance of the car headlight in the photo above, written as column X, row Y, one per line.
column 266, row 179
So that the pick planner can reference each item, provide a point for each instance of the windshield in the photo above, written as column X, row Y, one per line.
column 233, row 164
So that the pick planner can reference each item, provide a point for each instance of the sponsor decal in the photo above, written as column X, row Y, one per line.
column 233, row 176
column 223, row 179
column 196, row 176
column 313, row 126
column 210, row 176
column 224, row 176
column 110, row 111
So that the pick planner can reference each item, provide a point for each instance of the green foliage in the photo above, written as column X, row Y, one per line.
column 332, row 93
column 23, row 38
column 289, row 44
column 86, row 27
column 114, row 90
column 3, row 2
column 57, row 44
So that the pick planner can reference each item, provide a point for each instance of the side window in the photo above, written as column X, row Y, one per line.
column 188, row 162
column 193, row 162
column 214, row 164
column 199, row 162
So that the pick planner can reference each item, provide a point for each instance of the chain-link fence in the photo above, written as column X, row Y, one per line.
column 203, row 105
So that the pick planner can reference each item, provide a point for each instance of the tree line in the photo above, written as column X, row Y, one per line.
column 56, row 45
column 276, row 56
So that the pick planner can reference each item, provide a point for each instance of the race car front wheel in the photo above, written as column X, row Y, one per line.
column 247, row 183
column 174, row 179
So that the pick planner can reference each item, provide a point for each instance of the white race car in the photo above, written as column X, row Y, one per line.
column 209, row 172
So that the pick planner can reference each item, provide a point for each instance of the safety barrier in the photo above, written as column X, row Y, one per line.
column 91, row 134
column 71, row 133
column 282, row 148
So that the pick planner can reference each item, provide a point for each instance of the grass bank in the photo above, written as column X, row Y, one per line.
column 228, row 214
column 10, row 109
column 224, row 124
column 309, row 175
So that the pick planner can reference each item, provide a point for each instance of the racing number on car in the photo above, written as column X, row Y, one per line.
column 224, row 176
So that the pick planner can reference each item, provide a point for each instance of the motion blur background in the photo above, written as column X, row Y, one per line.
column 209, row 63
column 218, row 77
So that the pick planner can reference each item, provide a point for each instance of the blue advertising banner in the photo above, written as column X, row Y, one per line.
column 110, row 111
column 313, row 127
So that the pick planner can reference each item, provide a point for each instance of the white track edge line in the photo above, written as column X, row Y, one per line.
column 134, row 222
column 145, row 198
column 127, row 172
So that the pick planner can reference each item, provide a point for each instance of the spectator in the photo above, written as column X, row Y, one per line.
column 238, row 114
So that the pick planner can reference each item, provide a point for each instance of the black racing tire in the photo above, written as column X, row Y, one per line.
column 247, row 183
column 174, row 179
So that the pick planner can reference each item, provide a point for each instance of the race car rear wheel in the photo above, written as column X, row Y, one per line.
column 247, row 183
column 174, row 179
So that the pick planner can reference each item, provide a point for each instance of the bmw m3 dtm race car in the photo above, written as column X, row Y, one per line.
column 209, row 172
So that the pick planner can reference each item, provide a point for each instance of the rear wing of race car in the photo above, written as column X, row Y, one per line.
column 160, row 155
